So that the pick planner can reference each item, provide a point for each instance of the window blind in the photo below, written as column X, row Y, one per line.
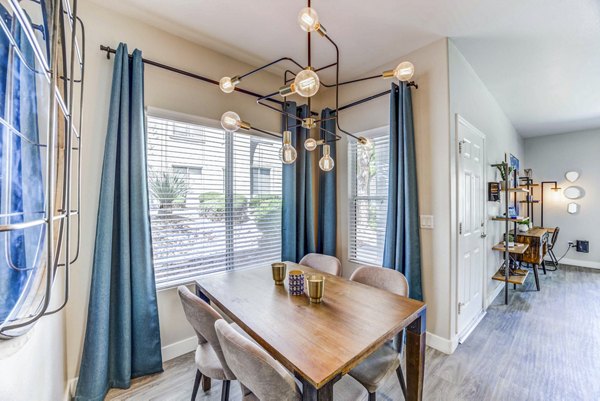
column 215, row 200
column 368, row 172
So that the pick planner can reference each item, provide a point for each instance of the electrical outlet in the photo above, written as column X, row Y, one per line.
column 571, row 244
column 583, row 246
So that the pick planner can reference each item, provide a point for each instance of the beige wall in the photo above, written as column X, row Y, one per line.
column 164, row 90
column 470, row 99
column 551, row 157
column 430, row 109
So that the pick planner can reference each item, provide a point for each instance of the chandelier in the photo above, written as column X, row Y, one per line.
column 305, row 83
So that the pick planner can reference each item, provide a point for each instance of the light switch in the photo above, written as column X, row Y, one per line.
column 426, row 221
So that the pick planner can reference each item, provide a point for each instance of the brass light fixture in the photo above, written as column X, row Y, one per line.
column 306, row 83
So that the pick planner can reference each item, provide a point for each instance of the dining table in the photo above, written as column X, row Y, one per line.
column 320, row 342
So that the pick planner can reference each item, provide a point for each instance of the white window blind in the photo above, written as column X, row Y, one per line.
column 368, row 175
column 215, row 200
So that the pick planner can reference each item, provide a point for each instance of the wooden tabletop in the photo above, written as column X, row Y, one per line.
column 315, row 341
column 517, row 249
column 533, row 232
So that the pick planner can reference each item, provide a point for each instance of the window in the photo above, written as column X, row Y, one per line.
column 215, row 200
column 368, row 172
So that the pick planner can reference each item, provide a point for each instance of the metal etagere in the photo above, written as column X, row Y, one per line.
column 53, row 32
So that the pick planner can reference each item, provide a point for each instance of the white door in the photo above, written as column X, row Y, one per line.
column 471, row 215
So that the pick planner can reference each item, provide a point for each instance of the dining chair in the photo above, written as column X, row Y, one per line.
column 373, row 371
column 551, row 247
column 324, row 263
column 210, row 362
column 262, row 377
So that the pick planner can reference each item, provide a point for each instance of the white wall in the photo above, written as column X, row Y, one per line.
column 164, row 90
column 430, row 109
column 33, row 366
column 471, row 99
column 551, row 157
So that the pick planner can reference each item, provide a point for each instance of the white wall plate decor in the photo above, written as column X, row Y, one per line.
column 572, row 208
column 572, row 176
column 573, row 192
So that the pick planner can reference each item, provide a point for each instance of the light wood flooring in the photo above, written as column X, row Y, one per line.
column 543, row 346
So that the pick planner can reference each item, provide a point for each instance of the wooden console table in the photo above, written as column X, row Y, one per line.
column 537, row 239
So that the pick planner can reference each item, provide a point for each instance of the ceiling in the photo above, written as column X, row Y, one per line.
column 539, row 58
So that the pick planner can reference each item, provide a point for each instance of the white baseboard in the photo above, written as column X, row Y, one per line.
column 441, row 344
column 493, row 295
column 582, row 263
column 179, row 348
column 70, row 390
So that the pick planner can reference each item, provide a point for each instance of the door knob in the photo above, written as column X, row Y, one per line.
column 483, row 235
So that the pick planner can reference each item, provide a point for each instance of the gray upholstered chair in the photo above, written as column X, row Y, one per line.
column 324, row 263
column 210, row 361
column 263, row 378
column 374, row 370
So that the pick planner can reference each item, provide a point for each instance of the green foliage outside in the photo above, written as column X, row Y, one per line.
column 168, row 188
column 213, row 204
column 263, row 207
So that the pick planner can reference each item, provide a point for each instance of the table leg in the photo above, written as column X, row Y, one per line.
column 310, row 393
column 415, row 358
column 536, row 275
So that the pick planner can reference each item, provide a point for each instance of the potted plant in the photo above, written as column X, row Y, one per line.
column 524, row 225
column 505, row 172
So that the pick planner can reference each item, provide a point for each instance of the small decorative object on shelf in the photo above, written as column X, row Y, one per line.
column 493, row 192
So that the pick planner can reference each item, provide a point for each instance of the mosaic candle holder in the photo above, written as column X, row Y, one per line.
column 296, row 282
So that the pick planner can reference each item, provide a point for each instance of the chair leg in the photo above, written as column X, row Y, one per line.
column 372, row 396
column 225, row 390
column 537, row 276
column 544, row 266
column 553, row 257
column 401, row 380
column 196, row 385
column 206, row 383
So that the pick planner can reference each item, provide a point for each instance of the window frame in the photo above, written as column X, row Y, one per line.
column 353, row 197
column 209, row 123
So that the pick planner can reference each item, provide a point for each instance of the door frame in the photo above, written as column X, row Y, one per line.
column 458, row 160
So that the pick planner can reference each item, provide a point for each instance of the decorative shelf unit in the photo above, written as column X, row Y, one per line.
column 506, row 272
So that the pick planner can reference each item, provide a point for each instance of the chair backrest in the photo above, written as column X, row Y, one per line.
column 255, row 369
column 324, row 263
column 383, row 278
column 554, row 237
column 202, row 317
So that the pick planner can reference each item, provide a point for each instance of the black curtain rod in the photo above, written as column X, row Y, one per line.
column 369, row 98
column 110, row 51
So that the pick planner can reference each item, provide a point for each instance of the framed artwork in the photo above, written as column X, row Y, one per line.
column 514, row 163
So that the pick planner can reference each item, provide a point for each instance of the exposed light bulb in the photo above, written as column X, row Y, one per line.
column 306, row 83
column 287, row 153
column 326, row 163
column 226, row 85
column 230, row 121
column 405, row 71
column 308, row 19
column 310, row 144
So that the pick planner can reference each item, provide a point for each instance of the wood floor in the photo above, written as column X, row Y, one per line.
column 543, row 346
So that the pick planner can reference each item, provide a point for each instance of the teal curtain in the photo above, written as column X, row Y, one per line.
column 297, row 223
column 327, row 221
column 402, row 249
column 122, row 338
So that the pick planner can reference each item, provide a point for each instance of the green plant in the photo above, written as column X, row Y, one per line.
column 263, row 207
column 505, row 170
column 214, row 204
column 168, row 187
